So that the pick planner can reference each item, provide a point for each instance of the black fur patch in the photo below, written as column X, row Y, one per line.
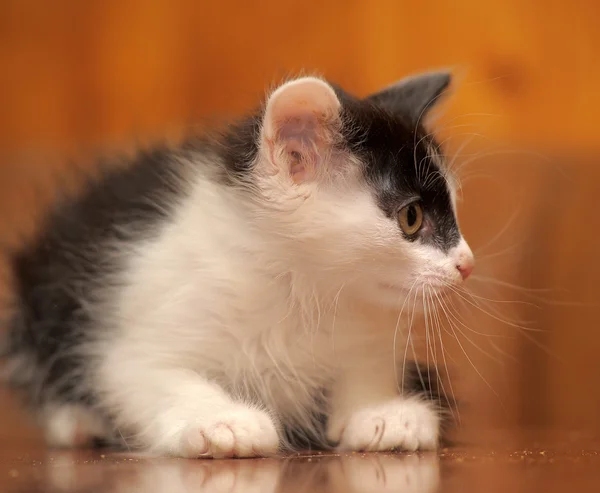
column 400, row 167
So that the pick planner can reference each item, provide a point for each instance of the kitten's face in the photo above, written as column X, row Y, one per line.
column 368, row 204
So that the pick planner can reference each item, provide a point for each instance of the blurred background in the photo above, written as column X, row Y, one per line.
column 80, row 77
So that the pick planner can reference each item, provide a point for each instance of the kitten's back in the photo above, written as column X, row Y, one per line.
column 59, row 271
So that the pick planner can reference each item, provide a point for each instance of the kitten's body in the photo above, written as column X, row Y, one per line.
column 208, row 296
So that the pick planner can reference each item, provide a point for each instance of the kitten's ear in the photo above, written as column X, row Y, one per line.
column 414, row 96
column 301, row 121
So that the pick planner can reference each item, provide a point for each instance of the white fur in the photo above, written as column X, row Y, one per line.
column 405, row 423
column 243, row 308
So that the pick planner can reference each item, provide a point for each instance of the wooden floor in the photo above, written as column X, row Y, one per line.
column 530, row 463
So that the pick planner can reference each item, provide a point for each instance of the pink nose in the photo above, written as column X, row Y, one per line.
column 465, row 269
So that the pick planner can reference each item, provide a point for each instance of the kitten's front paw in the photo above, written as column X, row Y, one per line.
column 240, row 432
column 405, row 424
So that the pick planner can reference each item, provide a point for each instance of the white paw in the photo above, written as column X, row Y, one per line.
column 239, row 432
column 405, row 424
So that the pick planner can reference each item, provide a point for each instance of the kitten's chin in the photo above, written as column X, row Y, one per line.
column 387, row 295
column 411, row 298
column 408, row 296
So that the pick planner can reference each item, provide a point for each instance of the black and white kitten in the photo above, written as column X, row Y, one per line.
column 209, row 296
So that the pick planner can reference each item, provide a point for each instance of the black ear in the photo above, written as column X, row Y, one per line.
column 414, row 96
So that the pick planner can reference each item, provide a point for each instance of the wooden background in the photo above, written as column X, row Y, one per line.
column 78, row 76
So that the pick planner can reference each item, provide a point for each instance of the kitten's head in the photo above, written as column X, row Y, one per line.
column 357, row 190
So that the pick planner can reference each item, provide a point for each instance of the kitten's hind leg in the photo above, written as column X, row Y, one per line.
column 73, row 425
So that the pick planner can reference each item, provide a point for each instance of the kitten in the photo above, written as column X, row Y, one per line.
column 206, row 298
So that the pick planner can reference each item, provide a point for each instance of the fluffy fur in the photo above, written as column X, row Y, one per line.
column 209, row 298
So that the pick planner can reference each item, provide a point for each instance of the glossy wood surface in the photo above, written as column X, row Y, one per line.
column 501, row 463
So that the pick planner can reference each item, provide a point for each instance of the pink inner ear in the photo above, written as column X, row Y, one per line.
column 301, row 127
column 301, row 145
column 297, row 126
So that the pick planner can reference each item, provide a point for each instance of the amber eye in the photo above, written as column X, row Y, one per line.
column 411, row 218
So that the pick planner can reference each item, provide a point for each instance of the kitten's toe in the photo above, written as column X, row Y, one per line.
column 413, row 426
column 363, row 432
column 404, row 424
column 239, row 433
column 223, row 441
column 194, row 443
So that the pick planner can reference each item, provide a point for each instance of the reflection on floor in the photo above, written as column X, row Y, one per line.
column 546, row 465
